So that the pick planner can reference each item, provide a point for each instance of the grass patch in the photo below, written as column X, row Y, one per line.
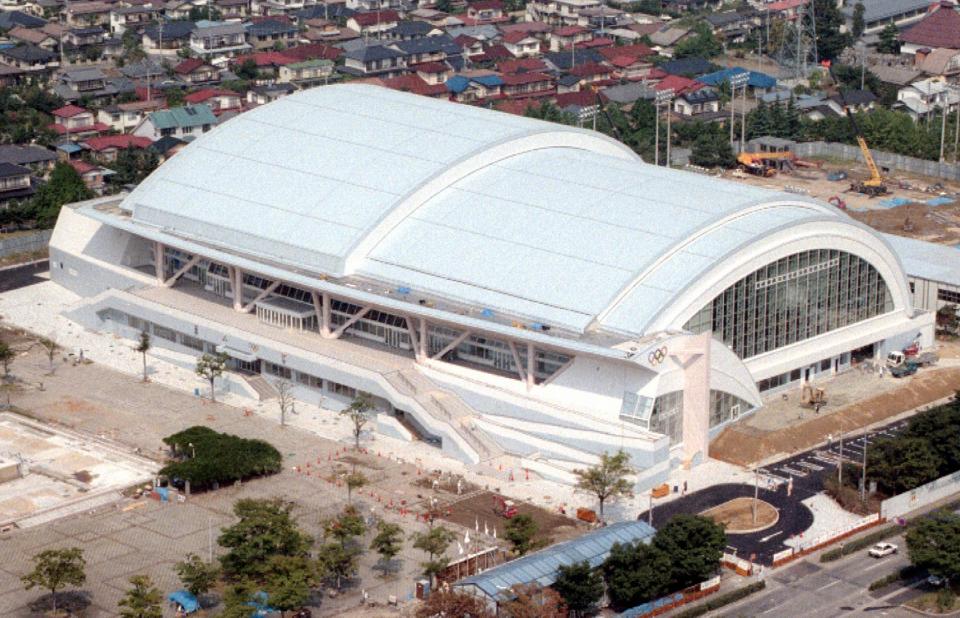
column 724, row 599
column 206, row 457
column 944, row 601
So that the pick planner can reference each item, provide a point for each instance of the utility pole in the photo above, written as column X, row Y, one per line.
column 840, row 465
column 743, row 116
column 660, row 97
column 863, row 471
column 650, row 512
column 669, row 117
column 739, row 80
column 656, row 132
column 943, row 124
column 756, row 491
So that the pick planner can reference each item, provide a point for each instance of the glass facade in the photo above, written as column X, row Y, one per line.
column 665, row 413
column 795, row 298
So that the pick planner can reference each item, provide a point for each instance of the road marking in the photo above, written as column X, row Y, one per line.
column 768, row 537
column 833, row 583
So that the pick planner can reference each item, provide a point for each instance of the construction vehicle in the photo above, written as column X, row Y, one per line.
column 811, row 397
column 766, row 164
column 504, row 508
column 874, row 185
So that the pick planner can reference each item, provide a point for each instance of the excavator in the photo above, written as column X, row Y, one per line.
column 874, row 185
column 765, row 163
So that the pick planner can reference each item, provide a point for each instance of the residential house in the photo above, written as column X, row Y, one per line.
column 86, row 14
column 374, row 61
column 277, row 7
column 196, row 71
column 692, row 6
column 10, row 76
column 167, row 38
column 406, row 30
column 106, row 147
column 943, row 63
column 604, row 18
column 430, row 49
column 136, row 18
column 941, row 28
column 927, row 98
column 94, row 176
column 37, row 158
column 878, row 13
column 567, row 37
column 72, row 120
column 18, row 19
column 666, row 38
column 268, row 93
column 584, row 106
column 688, row 67
column 268, row 64
column 34, row 36
column 678, row 84
column 374, row 22
column 29, row 58
column 697, row 103
column 271, row 32
column 218, row 100
column 80, row 38
column 91, row 83
column 524, row 85
column 231, row 10
column 470, row 47
column 366, row 6
column 307, row 73
column 786, row 10
column 896, row 75
column 520, row 65
column 630, row 62
column 475, row 88
column 313, row 51
column 166, row 147
column 178, row 10
column 413, row 83
column 856, row 100
column 734, row 26
column 16, row 184
column 125, row 117
column 559, row 12
column 432, row 73
column 758, row 83
column 521, row 45
column 592, row 74
column 184, row 123
column 219, row 39
column 485, row 12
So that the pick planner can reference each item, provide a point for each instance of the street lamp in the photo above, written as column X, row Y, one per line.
column 661, row 97
column 738, row 81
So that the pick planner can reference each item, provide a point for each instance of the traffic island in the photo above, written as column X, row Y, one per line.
column 737, row 515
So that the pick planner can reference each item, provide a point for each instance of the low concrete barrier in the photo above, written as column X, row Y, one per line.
column 921, row 496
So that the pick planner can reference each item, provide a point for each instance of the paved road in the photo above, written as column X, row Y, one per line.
column 833, row 589
column 22, row 275
column 805, row 470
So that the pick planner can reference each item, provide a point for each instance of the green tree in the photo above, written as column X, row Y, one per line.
column 531, row 601
column 636, row 573
column 830, row 40
column 889, row 42
column 758, row 120
column 247, row 70
column 606, row 480
column 858, row 24
column 933, row 543
column 695, row 546
column 359, row 414
column 65, row 186
column 132, row 166
column 580, row 586
column 902, row 463
column 197, row 575
column 345, row 527
column 210, row 367
column 142, row 600
column 174, row 97
column 388, row 542
column 265, row 529
column 701, row 43
column 520, row 531
column 712, row 149
column 940, row 427
column 54, row 569
column 7, row 355
column 338, row 561
column 237, row 600
column 434, row 543
column 550, row 112
column 143, row 346
column 289, row 582
column 453, row 603
column 354, row 480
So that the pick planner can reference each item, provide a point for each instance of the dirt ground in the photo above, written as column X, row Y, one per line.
column 737, row 515
column 744, row 445
column 478, row 508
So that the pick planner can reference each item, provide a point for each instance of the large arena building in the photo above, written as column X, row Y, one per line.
column 501, row 285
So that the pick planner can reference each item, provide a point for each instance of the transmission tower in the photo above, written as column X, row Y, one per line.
column 798, row 51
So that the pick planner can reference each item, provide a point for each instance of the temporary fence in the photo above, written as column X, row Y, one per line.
column 807, row 546
column 738, row 565
column 921, row 496
column 672, row 601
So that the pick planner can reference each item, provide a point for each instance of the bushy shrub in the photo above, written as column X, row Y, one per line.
column 724, row 599
column 220, row 458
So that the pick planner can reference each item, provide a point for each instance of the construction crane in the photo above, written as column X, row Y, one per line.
column 874, row 185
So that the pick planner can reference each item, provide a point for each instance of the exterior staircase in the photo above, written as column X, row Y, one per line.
column 447, row 407
column 265, row 391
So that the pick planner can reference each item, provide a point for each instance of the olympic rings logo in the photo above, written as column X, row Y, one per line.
column 656, row 357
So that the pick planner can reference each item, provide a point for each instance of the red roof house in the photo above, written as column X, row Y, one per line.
column 941, row 28
column 680, row 85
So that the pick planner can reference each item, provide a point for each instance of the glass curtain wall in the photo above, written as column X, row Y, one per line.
column 795, row 298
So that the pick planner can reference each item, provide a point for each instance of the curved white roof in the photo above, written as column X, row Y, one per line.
column 527, row 218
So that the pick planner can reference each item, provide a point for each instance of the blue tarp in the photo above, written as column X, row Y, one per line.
column 754, row 79
column 939, row 201
column 649, row 607
column 893, row 202
column 185, row 600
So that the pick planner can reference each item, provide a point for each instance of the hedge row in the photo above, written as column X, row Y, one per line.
column 219, row 458
column 724, row 599
column 857, row 544
column 905, row 573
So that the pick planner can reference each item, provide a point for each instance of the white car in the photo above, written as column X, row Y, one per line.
column 882, row 549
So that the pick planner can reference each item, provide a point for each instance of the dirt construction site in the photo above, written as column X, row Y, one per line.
column 916, row 206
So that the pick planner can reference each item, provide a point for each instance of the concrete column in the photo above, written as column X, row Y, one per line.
column 695, row 357
column 237, row 285
column 325, row 315
column 423, row 338
column 158, row 262
column 531, row 353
